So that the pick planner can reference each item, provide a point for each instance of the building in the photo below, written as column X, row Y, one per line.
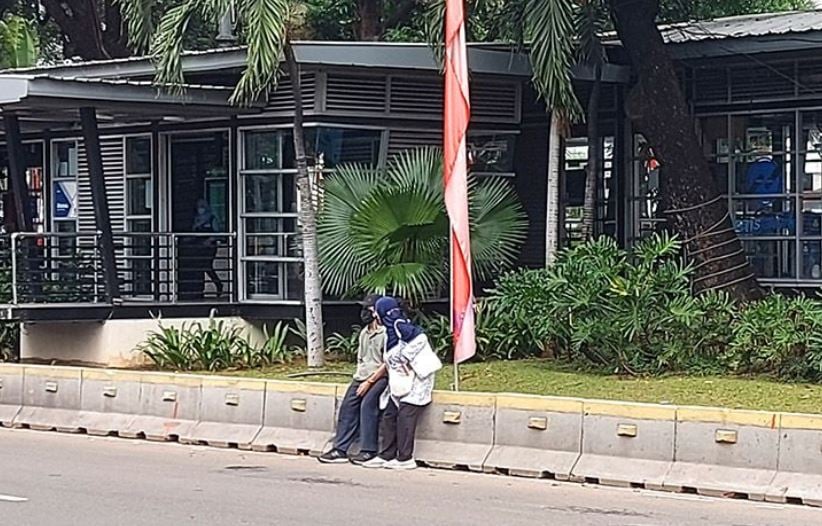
column 114, row 170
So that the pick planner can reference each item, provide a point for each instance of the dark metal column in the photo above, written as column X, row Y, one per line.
column 91, row 136
column 17, row 173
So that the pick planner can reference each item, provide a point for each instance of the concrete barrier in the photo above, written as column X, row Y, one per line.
column 299, row 418
column 231, row 413
column 51, row 399
column 11, row 393
column 536, row 436
column 799, row 467
column 456, row 430
column 625, row 444
column 169, row 407
column 109, row 401
column 721, row 452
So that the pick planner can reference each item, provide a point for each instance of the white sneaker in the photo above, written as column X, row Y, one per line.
column 375, row 462
column 404, row 465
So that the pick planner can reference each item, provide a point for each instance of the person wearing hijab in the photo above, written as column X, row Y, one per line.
column 206, row 222
column 399, row 421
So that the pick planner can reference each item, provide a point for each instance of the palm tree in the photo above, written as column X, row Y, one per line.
column 269, row 26
column 19, row 43
column 388, row 230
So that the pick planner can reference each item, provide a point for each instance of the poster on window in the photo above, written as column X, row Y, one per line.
column 65, row 200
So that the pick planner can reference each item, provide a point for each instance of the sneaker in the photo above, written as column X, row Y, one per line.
column 401, row 465
column 335, row 456
column 376, row 462
column 362, row 457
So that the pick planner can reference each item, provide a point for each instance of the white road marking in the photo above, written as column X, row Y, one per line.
column 9, row 498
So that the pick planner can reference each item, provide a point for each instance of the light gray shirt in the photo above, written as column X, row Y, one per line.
column 369, row 353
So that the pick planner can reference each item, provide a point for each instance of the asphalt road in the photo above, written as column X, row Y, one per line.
column 54, row 479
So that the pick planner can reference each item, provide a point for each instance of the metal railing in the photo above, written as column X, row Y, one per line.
column 152, row 267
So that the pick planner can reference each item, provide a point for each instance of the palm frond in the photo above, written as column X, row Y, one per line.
column 589, row 22
column 266, row 25
column 137, row 15
column 551, row 31
column 167, row 49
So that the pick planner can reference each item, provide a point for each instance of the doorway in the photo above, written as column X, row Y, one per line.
column 200, row 213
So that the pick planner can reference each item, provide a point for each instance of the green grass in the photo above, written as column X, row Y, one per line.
column 542, row 377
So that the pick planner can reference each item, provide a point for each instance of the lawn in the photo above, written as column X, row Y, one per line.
column 544, row 377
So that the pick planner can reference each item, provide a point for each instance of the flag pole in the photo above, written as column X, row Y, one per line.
column 451, row 306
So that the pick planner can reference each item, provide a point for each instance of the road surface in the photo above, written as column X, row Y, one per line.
column 55, row 479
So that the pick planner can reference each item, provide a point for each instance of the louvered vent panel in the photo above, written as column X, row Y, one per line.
column 495, row 101
column 748, row 83
column 282, row 101
column 405, row 139
column 810, row 78
column 416, row 97
column 111, row 149
column 355, row 93
column 711, row 85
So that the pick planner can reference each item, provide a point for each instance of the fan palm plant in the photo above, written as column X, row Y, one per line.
column 388, row 230
column 268, row 27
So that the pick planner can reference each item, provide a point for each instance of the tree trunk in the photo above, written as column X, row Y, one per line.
column 589, row 206
column 690, row 198
column 370, row 19
column 315, row 344
column 81, row 27
column 553, row 201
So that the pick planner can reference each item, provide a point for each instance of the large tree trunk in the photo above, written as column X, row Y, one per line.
column 589, row 205
column 315, row 344
column 552, row 232
column 690, row 197
column 370, row 19
column 86, row 34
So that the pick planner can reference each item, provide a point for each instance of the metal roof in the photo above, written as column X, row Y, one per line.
column 746, row 26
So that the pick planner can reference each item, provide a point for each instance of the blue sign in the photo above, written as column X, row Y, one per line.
column 65, row 195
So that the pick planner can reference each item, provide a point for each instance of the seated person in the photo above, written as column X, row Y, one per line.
column 360, row 409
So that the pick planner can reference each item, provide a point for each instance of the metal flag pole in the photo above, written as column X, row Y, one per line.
column 451, row 306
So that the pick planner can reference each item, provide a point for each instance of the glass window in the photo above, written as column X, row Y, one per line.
column 812, row 259
column 714, row 135
column 262, row 150
column 810, row 170
column 493, row 153
column 139, row 196
column 66, row 159
column 764, row 217
column 762, row 134
column 138, row 155
column 270, row 193
column 772, row 259
column 336, row 145
column 274, row 279
column 763, row 174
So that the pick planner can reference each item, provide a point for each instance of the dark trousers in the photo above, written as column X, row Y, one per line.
column 398, row 427
column 359, row 418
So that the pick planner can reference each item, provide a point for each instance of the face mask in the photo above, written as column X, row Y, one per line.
column 366, row 316
column 201, row 210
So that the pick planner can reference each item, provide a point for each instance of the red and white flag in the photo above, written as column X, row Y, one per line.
column 457, row 113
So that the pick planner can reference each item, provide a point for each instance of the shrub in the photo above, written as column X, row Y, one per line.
column 781, row 336
column 214, row 347
column 345, row 346
column 624, row 311
column 498, row 335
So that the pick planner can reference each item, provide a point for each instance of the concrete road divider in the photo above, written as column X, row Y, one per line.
column 11, row 393
column 231, row 413
column 109, row 401
column 169, row 407
column 299, row 418
column 456, row 430
column 536, row 436
column 720, row 452
column 799, row 473
column 51, row 399
column 626, row 444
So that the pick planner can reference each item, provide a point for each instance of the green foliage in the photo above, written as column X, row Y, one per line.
column 388, row 231
column 214, row 347
column 633, row 312
column 345, row 346
column 19, row 43
column 499, row 336
column 779, row 335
